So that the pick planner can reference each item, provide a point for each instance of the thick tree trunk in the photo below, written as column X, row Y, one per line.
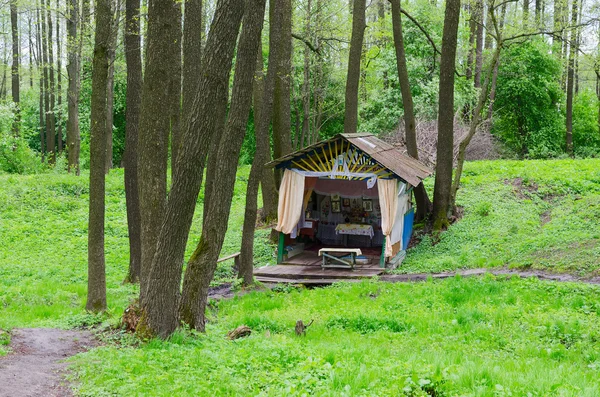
column 59, row 114
column 306, row 82
column 246, row 271
column 73, row 70
column 15, row 67
column 96, row 298
column 281, row 18
column 175, row 80
column 352, row 79
column 51, row 132
column 201, row 267
column 445, row 143
column 423, row 203
column 570, row 79
column 208, row 115
column 192, row 57
column 155, row 121
column 133, row 57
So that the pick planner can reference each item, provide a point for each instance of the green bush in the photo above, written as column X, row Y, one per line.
column 528, row 119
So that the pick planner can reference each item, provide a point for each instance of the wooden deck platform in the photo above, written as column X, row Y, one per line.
column 305, row 268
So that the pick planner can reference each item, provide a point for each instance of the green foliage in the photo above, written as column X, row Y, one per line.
column 16, row 157
column 527, row 101
column 43, row 255
column 502, row 337
column 586, row 137
column 527, row 214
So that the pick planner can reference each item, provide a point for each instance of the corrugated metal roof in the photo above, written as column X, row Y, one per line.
column 402, row 165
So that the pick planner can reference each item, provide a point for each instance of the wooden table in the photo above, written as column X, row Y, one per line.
column 355, row 229
column 330, row 260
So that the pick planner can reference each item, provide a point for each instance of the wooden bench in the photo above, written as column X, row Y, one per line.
column 330, row 260
column 236, row 260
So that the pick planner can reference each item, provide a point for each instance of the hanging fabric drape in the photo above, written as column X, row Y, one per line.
column 309, row 185
column 291, row 197
column 388, row 200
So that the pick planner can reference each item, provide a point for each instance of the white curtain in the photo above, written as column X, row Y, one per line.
column 398, row 228
column 388, row 201
column 291, row 197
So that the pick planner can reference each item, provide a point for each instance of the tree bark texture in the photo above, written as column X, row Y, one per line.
column 262, row 155
column 445, row 143
column 73, row 71
column 15, row 66
column 201, row 267
column 423, row 202
column 192, row 57
column 155, row 121
column 281, row 18
column 208, row 111
column 96, row 298
column 352, row 79
column 133, row 98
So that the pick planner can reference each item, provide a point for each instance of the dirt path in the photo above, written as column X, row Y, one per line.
column 542, row 275
column 34, row 367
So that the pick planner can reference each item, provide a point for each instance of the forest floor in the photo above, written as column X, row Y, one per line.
column 447, row 334
column 36, row 367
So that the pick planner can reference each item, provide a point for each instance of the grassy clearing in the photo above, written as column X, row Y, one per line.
column 43, row 255
column 467, row 337
column 523, row 214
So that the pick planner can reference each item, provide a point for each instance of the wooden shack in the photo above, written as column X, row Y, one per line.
column 345, row 209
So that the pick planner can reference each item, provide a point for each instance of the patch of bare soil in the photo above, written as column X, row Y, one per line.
column 36, row 366
column 542, row 275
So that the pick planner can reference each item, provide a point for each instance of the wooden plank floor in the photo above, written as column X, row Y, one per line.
column 305, row 268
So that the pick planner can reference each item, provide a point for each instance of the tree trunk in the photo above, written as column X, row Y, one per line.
column 267, row 178
column 47, row 120
column 483, row 94
column 58, row 81
column 192, row 57
column 73, row 70
column 479, row 44
column 175, row 80
column 246, row 271
column 352, row 79
column 423, row 203
column 110, row 89
column 472, row 35
column 202, row 265
column 208, row 115
column 40, row 64
column 445, row 143
column 306, row 82
column 133, row 58
column 32, row 50
column 490, row 110
column 570, row 78
column 96, row 299
column 51, row 132
column 15, row 66
column 158, row 93
column 281, row 18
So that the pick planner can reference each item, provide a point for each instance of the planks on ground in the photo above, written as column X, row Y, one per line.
column 316, row 272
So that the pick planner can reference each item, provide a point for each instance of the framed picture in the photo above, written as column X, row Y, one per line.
column 335, row 197
column 346, row 202
column 335, row 206
column 367, row 205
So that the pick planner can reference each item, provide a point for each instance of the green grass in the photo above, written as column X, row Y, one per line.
column 463, row 337
column 43, row 250
column 459, row 337
column 523, row 214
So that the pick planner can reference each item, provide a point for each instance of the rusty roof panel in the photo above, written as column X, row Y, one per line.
column 397, row 162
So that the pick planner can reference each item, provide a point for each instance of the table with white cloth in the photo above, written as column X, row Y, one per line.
column 354, row 229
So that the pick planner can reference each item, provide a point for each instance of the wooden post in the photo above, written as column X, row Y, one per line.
column 280, row 247
column 382, row 258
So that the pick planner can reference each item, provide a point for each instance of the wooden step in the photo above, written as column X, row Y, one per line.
column 305, row 281
column 314, row 272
